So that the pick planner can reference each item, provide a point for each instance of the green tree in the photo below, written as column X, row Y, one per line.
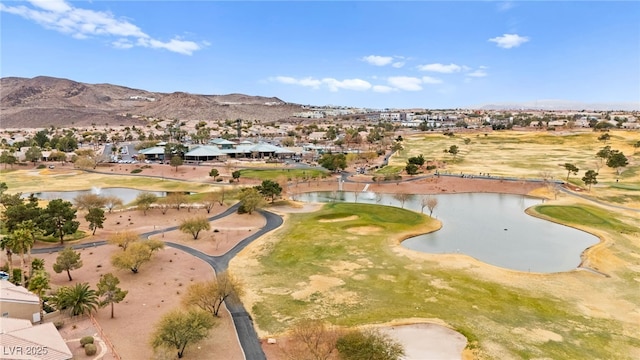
column 210, row 295
column 67, row 260
column 39, row 284
column 411, row 169
column 603, row 154
column 58, row 219
column 589, row 178
column 604, row 137
column 333, row 162
column 144, row 201
column 96, row 219
column 368, row 345
column 33, row 154
column 109, row 291
column 617, row 160
column 570, row 169
column 250, row 200
column 22, row 240
column 137, row 253
column 636, row 146
column 37, row 264
column 79, row 299
column 178, row 328
column 194, row 226
column 7, row 158
column 176, row 161
column 270, row 189
column 453, row 150
column 236, row 175
column 416, row 160
column 41, row 138
column 214, row 173
column 17, row 210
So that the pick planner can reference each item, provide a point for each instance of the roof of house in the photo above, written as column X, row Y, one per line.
column 20, row 335
column 221, row 141
column 16, row 294
column 156, row 150
column 205, row 151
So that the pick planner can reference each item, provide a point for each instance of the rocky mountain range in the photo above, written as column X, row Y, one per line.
column 46, row 101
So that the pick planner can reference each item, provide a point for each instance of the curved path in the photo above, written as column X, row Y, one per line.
column 241, row 319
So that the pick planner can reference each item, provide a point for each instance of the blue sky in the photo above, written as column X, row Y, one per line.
column 376, row 54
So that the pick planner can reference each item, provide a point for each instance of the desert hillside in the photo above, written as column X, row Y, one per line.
column 45, row 101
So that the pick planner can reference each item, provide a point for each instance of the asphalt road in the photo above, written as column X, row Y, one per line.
column 242, row 320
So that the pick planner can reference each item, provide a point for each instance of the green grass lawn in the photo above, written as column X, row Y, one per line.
column 289, row 174
column 370, row 283
column 27, row 181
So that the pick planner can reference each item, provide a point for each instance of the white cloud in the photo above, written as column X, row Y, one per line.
column 478, row 73
column 331, row 83
column 406, row 83
column 80, row 23
column 394, row 83
column 383, row 89
column 430, row 80
column 307, row 82
column 398, row 64
column 505, row 6
column 441, row 68
column 378, row 60
column 509, row 41
column 348, row 84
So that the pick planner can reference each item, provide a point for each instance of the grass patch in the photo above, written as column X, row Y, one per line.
column 583, row 215
column 51, row 239
column 369, row 283
column 275, row 174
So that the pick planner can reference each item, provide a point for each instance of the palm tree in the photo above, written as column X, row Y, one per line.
column 78, row 299
column 5, row 245
column 38, row 284
column 22, row 241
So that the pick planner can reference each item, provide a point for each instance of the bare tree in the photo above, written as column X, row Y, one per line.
column 312, row 340
column 429, row 202
column 402, row 197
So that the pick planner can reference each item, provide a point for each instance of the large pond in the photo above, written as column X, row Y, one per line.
column 127, row 195
column 492, row 228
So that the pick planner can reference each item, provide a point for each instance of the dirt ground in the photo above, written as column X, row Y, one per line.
column 159, row 285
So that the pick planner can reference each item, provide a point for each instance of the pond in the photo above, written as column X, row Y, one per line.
column 492, row 228
column 127, row 195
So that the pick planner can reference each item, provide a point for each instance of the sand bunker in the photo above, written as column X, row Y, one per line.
column 428, row 341
column 364, row 230
column 346, row 218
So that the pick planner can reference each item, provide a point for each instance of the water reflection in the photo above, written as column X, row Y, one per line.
column 492, row 228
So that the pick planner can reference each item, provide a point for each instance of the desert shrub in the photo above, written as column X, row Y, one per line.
column 368, row 345
column 90, row 349
column 431, row 167
column 41, row 166
column 136, row 171
column 86, row 340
